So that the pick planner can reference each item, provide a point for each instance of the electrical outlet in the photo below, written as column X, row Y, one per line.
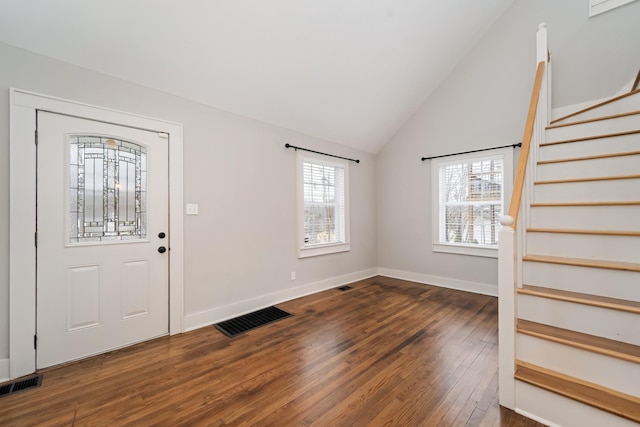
column 293, row 275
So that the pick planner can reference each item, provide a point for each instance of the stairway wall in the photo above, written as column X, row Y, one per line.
column 483, row 103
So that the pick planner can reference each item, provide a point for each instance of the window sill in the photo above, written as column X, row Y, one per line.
column 481, row 251
column 306, row 252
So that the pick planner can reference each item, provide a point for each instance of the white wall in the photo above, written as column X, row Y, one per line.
column 483, row 103
column 233, row 166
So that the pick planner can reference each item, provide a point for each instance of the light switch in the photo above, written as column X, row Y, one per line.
column 192, row 209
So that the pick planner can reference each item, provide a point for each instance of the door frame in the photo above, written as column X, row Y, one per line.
column 22, row 214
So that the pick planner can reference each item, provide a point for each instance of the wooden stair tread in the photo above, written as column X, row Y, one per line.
column 595, row 395
column 605, row 346
column 582, row 204
column 594, row 232
column 592, row 107
column 595, row 157
column 589, row 138
column 597, row 119
column 580, row 298
column 581, row 262
column 589, row 179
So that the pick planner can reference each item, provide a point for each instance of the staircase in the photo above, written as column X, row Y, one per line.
column 578, row 309
column 569, row 261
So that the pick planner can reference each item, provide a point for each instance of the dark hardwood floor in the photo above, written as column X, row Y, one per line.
column 387, row 352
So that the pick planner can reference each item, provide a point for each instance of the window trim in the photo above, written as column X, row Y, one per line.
column 327, row 248
column 506, row 154
column 596, row 7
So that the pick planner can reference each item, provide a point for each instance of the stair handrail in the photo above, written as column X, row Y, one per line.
column 512, row 237
column 518, row 184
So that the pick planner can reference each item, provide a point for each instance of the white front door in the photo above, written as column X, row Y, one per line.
column 103, row 238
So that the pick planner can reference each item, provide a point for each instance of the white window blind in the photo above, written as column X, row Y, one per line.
column 323, row 203
column 469, row 200
column 323, row 211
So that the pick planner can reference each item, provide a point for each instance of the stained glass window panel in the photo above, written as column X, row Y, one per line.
column 107, row 189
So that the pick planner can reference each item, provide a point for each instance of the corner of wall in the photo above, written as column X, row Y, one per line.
column 443, row 282
column 4, row 370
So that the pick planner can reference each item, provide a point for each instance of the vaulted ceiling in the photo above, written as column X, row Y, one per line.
column 348, row 71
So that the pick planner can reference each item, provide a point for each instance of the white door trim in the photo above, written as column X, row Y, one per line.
column 22, row 214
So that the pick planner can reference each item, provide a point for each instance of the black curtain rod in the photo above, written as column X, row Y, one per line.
column 517, row 144
column 318, row 152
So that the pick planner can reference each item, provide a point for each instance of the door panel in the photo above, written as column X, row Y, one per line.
column 102, row 201
column 135, row 288
column 84, row 297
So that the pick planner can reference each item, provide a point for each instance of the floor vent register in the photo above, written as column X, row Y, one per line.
column 236, row 326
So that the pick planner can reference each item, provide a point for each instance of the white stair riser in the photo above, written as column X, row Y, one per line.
column 601, row 322
column 610, row 166
column 600, row 127
column 618, row 284
column 588, row 191
column 587, row 246
column 586, row 217
column 591, row 147
column 612, row 373
column 558, row 410
column 624, row 105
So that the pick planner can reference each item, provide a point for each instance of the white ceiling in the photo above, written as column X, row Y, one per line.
column 348, row 71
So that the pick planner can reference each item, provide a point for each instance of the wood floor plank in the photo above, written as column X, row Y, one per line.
column 387, row 352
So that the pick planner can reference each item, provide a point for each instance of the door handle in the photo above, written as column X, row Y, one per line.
column 162, row 249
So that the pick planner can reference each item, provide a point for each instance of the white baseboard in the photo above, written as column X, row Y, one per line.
column 218, row 314
column 4, row 370
column 443, row 282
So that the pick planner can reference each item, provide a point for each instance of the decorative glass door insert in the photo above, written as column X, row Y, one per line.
column 107, row 191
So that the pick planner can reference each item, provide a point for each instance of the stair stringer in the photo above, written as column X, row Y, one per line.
column 559, row 112
column 623, row 103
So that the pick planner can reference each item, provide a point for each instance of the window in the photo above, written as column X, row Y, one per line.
column 469, row 195
column 597, row 7
column 107, row 193
column 323, row 208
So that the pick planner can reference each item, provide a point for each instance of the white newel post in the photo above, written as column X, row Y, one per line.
column 543, row 113
column 542, row 47
column 506, row 313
